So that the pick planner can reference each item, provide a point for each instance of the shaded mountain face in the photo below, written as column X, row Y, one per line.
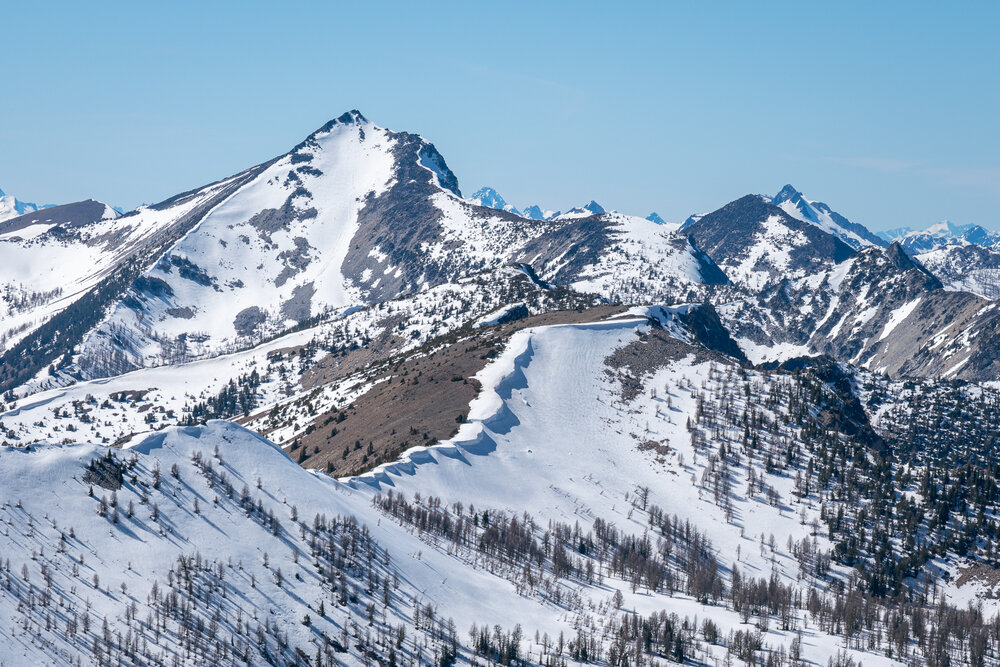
column 756, row 243
column 624, row 258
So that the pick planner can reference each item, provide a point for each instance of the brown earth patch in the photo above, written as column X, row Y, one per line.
column 417, row 400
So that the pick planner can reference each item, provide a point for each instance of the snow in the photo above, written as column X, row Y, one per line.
column 51, row 273
column 769, row 255
column 12, row 207
column 761, row 353
column 897, row 316
column 646, row 261
column 494, row 317
column 549, row 434
column 249, row 267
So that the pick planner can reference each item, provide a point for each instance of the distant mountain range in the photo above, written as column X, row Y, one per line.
column 12, row 207
column 490, row 198
column 942, row 234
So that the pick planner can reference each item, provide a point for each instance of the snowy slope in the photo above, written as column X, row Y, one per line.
column 120, row 558
column 879, row 310
column 62, row 278
column 551, row 436
column 621, row 257
column 817, row 213
column 255, row 261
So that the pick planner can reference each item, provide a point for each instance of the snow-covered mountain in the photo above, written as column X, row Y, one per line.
column 490, row 198
column 328, row 411
column 354, row 215
column 880, row 310
column 622, row 257
column 66, row 216
column 757, row 243
column 794, row 204
column 942, row 234
column 593, row 208
column 12, row 207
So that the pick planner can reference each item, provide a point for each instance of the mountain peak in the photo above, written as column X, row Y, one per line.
column 595, row 208
column 487, row 196
column 534, row 212
column 787, row 193
column 352, row 117
column 655, row 217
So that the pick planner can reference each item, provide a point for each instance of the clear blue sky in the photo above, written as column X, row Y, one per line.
column 887, row 111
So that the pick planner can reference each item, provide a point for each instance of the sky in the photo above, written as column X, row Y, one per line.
column 886, row 111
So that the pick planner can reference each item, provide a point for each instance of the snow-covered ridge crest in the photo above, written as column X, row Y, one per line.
column 488, row 414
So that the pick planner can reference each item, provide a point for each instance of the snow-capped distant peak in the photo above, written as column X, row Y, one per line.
column 487, row 196
column 490, row 198
column 655, row 217
column 534, row 212
column 12, row 207
column 593, row 208
column 941, row 234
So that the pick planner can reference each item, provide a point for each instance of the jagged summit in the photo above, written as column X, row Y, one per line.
column 534, row 212
column 593, row 208
column 794, row 203
column 487, row 196
column 788, row 192
column 352, row 117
